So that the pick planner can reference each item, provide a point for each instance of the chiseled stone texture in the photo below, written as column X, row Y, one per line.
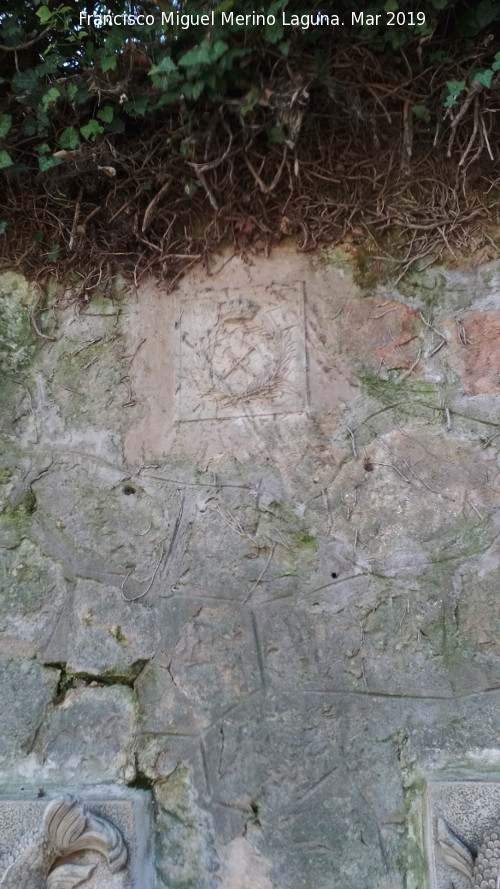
column 26, row 690
column 90, row 735
column 281, row 618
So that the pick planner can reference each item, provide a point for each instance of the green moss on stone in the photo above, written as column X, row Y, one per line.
column 465, row 538
column 304, row 540
column 117, row 633
column 21, row 509
column 18, row 342
column 100, row 305
column 399, row 390
column 428, row 285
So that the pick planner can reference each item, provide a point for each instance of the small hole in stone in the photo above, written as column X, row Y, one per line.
column 334, row 574
column 368, row 465
column 128, row 489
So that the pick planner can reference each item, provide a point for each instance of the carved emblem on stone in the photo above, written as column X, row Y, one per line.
column 247, row 358
column 38, row 859
column 241, row 353
column 483, row 871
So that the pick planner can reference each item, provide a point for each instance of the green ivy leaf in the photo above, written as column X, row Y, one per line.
column 5, row 160
column 421, row 112
column 43, row 119
column 81, row 96
column 137, row 107
column 3, row 225
column 485, row 12
column 273, row 33
column 194, row 57
column 218, row 48
column 210, row 80
column 38, row 237
column 91, row 130
column 106, row 114
column 165, row 65
column 44, row 14
column 483, row 77
column 391, row 6
column 30, row 126
column 50, row 62
column 25, row 80
column 275, row 134
column 69, row 138
column 5, row 124
column 53, row 253
column 50, row 97
column 193, row 90
column 43, row 148
column 71, row 91
column 439, row 56
column 46, row 163
column 251, row 98
column 117, row 125
column 223, row 7
column 167, row 98
column 108, row 63
column 455, row 87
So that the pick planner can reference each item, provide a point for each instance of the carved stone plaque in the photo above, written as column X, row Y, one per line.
column 62, row 841
column 464, row 834
column 240, row 352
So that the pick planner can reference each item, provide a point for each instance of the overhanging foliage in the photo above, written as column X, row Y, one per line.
column 142, row 146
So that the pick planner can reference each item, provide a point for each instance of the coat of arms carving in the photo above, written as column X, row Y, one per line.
column 241, row 353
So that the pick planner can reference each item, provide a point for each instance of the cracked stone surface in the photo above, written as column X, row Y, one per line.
column 249, row 560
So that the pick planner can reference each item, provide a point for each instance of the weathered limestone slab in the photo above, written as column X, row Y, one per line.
column 90, row 735
column 26, row 690
column 263, row 582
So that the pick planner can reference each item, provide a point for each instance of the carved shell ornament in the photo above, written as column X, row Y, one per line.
column 483, row 871
column 67, row 827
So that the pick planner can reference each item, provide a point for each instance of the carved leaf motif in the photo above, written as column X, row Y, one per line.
column 68, row 875
column 64, row 821
column 67, row 827
column 107, row 839
column 72, row 829
column 455, row 853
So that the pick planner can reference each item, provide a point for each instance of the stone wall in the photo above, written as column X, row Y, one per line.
column 249, row 564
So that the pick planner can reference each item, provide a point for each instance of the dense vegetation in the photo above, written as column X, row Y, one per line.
column 141, row 136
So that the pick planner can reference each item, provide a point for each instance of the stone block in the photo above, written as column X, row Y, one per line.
column 91, row 734
column 26, row 690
